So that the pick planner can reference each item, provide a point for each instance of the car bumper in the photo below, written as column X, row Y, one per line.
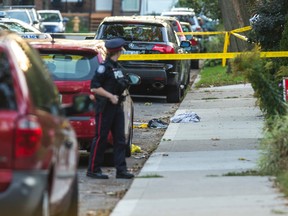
column 154, row 77
column 24, row 193
column 84, row 126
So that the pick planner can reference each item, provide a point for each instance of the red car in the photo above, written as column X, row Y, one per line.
column 38, row 148
column 72, row 65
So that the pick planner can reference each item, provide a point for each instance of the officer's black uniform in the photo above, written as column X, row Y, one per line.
column 109, row 116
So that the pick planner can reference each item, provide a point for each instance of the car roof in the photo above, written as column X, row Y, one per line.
column 182, row 9
column 135, row 19
column 48, row 11
column 171, row 13
column 185, row 23
column 89, row 46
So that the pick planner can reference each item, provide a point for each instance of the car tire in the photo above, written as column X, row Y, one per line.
column 194, row 64
column 174, row 94
column 73, row 206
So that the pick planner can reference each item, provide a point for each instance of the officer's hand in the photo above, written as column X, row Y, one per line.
column 114, row 99
column 92, row 97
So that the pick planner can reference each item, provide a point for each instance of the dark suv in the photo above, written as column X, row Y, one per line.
column 38, row 148
column 150, row 35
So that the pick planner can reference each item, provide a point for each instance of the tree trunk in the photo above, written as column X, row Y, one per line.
column 235, row 14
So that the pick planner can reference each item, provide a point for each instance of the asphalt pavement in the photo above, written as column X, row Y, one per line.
column 190, row 172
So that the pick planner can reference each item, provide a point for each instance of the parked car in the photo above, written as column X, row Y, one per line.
column 72, row 65
column 28, row 16
column 184, row 16
column 207, row 23
column 22, row 28
column 177, row 27
column 38, row 150
column 53, row 22
column 182, row 9
column 150, row 35
column 195, row 45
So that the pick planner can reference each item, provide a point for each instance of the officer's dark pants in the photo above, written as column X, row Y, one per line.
column 112, row 118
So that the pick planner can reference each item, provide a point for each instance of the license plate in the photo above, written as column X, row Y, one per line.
column 131, row 52
column 29, row 36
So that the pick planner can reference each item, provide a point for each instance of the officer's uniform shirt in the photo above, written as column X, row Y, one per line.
column 108, row 76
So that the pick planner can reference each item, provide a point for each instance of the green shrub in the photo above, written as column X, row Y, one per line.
column 215, row 44
column 268, row 27
column 259, row 72
column 274, row 146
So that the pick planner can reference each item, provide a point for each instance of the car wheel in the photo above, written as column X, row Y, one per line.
column 73, row 207
column 174, row 94
column 194, row 64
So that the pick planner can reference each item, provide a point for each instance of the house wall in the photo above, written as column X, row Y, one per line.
column 152, row 6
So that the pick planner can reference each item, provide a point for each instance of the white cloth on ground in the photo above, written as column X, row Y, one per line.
column 185, row 118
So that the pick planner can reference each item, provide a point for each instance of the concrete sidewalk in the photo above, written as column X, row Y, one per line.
column 193, row 158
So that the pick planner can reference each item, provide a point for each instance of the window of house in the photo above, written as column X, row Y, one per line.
column 104, row 5
column 131, row 5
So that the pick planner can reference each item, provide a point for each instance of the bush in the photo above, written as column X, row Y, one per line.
column 258, row 72
column 274, row 145
column 268, row 25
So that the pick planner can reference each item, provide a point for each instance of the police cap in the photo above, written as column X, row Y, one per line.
column 114, row 45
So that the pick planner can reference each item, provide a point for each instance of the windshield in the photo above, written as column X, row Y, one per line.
column 21, row 15
column 16, row 27
column 70, row 66
column 132, row 31
column 50, row 17
column 185, row 28
column 184, row 18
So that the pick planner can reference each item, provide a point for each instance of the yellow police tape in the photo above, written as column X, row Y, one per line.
column 144, row 57
column 224, row 55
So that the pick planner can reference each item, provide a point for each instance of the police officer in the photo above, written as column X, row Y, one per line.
column 108, row 85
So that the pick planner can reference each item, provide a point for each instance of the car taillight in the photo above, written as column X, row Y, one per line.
column 28, row 136
column 163, row 48
column 193, row 42
column 5, row 179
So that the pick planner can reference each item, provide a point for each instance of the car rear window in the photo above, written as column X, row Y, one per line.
column 7, row 94
column 132, row 31
column 50, row 17
column 70, row 66
column 183, row 18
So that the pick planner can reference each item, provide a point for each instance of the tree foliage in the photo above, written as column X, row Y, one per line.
column 268, row 23
column 208, row 7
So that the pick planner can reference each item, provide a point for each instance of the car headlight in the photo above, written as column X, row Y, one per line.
column 57, row 29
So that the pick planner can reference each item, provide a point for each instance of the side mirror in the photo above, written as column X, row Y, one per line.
column 65, row 19
column 185, row 44
column 134, row 79
column 81, row 103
